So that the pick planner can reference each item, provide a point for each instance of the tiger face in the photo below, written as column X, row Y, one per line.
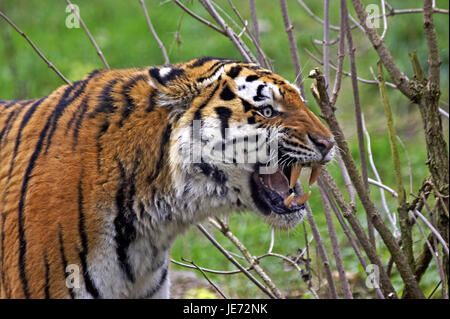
column 245, row 139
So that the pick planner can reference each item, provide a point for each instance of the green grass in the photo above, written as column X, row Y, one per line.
column 121, row 31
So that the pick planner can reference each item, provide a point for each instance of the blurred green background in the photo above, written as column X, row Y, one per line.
column 121, row 31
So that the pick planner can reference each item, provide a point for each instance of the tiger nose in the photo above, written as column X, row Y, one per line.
column 323, row 145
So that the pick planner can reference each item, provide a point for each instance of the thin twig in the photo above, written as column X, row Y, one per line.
column 326, row 39
column 356, row 98
column 91, row 38
column 397, row 76
column 312, row 15
column 385, row 187
column 341, row 55
column 50, row 64
column 155, row 35
column 385, row 25
column 212, row 271
column 391, row 217
column 235, row 262
column 262, row 58
column 289, row 28
column 321, row 251
column 195, row 16
column 345, row 286
column 350, row 237
column 434, row 61
column 436, row 258
column 249, row 257
column 434, row 231
column 409, row 164
column 348, row 74
column 245, row 52
column 207, row 278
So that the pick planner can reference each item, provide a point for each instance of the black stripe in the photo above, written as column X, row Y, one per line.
column 259, row 96
column 158, row 286
column 234, row 71
column 213, row 70
column 247, row 105
column 224, row 114
column 106, row 104
column 126, row 91
column 90, row 286
column 201, row 61
column 124, row 222
column 64, row 261
column 64, row 102
column 76, row 129
column 198, row 112
column 47, row 278
column 227, row 94
column 2, row 246
column 24, row 122
column 151, row 101
column 103, row 128
column 251, row 78
column 163, row 147
column 9, row 123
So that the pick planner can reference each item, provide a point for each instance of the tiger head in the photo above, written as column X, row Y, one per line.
column 242, row 136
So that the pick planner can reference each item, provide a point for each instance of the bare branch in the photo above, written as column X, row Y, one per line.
column 377, row 183
column 212, row 271
column 293, row 47
column 434, row 61
column 235, row 262
column 345, row 286
column 155, row 35
column 348, row 74
column 321, row 251
column 50, row 65
column 341, row 55
column 391, row 217
column 251, row 259
column 195, row 16
column 207, row 278
column 435, row 256
column 91, row 38
column 397, row 76
column 326, row 39
column 386, row 286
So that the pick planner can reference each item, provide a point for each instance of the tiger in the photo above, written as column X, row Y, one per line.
column 98, row 179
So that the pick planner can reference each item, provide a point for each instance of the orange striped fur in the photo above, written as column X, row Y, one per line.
column 87, row 176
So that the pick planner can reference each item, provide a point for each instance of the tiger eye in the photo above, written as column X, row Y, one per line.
column 267, row 111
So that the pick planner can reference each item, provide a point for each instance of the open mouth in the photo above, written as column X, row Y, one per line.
column 279, row 193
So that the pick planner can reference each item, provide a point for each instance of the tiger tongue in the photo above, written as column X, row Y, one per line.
column 277, row 181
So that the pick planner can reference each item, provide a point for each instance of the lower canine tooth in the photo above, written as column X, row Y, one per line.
column 302, row 199
column 315, row 173
column 288, row 200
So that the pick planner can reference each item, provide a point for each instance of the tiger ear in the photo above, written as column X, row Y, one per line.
column 177, row 85
column 173, row 86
